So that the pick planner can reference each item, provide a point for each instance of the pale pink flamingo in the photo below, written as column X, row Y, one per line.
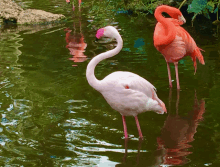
column 173, row 41
column 125, row 92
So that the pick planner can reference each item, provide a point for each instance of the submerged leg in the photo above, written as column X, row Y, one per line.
column 177, row 101
column 177, row 75
column 169, row 74
column 125, row 127
column 138, row 127
column 170, row 98
column 126, row 150
column 139, row 148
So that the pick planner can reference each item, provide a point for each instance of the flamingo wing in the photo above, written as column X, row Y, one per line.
column 130, row 94
column 182, row 45
column 158, row 33
column 128, row 80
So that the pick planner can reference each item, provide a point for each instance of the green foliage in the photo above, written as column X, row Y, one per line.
column 100, row 12
column 203, row 7
column 144, row 6
column 194, row 6
column 197, row 6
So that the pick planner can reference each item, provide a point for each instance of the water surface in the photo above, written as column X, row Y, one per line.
column 50, row 116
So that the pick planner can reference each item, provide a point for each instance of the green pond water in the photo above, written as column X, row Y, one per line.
column 50, row 116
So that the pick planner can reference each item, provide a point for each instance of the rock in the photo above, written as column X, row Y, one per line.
column 33, row 16
column 9, row 10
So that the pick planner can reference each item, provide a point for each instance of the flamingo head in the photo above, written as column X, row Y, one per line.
column 108, row 31
column 181, row 19
column 176, row 14
column 100, row 33
column 163, row 107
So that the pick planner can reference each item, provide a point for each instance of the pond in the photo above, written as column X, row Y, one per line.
column 50, row 116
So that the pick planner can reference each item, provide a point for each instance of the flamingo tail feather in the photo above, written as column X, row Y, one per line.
column 197, row 54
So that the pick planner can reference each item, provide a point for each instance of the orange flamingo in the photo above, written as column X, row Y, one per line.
column 173, row 41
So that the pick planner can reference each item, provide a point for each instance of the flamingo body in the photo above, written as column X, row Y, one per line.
column 126, row 92
column 130, row 94
column 173, row 41
column 182, row 45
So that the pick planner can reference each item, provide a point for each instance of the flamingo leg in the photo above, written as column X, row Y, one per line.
column 138, row 127
column 79, row 4
column 177, row 101
column 177, row 75
column 139, row 148
column 125, row 127
column 170, row 98
column 126, row 150
column 169, row 74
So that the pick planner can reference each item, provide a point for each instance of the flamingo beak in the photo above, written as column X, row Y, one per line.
column 164, row 107
column 182, row 19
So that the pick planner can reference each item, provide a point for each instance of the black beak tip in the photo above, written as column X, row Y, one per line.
column 96, row 39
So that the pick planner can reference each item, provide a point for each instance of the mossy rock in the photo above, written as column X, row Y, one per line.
column 33, row 16
column 10, row 11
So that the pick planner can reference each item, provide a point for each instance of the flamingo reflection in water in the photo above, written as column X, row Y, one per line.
column 178, row 132
column 75, row 44
column 124, row 163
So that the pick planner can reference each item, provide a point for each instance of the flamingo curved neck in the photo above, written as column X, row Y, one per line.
column 93, row 81
column 168, row 25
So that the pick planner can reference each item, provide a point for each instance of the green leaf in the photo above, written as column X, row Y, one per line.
column 210, row 6
column 206, row 13
column 197, row 6
column 216, row 10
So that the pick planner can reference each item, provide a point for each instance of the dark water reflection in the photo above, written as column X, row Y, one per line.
column 178, row 132
column 50, row 116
